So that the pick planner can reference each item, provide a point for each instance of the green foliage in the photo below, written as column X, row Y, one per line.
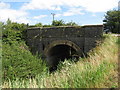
column 58, row 23
column 112, row 21
column 1, row 24
column 62, row 23
column 38, row 25
column 66, row 63
column 55, row 23
column 71, row 24
column 9, row 22
column 15, row 26
column 17, row 60
column 10, row 36
column 1, row 28
column 13, row 31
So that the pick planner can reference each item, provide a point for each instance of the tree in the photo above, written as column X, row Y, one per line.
column 62, row 23
column 9, row 21
column 58, row 23
column 1, row 28
column 71, row 24
column 112, row 21
column 14, row 25
column 1, row 25
column 38, row 25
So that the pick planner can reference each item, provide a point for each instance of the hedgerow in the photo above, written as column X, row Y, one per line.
column 17, row 60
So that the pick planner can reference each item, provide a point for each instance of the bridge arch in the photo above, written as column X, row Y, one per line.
column 60, row 50
column 62, row 42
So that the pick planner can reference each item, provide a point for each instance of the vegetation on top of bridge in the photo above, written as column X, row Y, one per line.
column 56, row 23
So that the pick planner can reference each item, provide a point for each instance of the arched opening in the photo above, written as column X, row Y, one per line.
column 59, row 51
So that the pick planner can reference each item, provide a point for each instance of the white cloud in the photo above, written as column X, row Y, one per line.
column 14, row 15
column 99, row 5
column 23, row 20
column 4, row 5
column 42, row 4
column 73, row 7
column 73, row 11
column 15, row 0
column 58, row 15
column 70, row 12
column 89, row 5
column 39, row 17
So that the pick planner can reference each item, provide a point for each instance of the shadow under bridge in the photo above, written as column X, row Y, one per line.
column 60, row 50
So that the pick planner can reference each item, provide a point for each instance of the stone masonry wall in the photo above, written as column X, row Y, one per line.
column 39, row 38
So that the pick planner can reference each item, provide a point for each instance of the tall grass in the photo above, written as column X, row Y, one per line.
column 99, row 70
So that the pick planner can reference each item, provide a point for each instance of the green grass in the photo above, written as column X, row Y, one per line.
column 98, row 70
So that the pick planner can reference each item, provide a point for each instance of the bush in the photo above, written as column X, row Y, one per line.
column 17, row 60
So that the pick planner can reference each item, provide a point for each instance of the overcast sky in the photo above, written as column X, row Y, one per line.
column 83, row 12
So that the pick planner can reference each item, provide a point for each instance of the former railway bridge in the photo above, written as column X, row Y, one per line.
column 58, row 43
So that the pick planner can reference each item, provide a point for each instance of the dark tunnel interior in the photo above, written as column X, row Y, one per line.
column 60, row 53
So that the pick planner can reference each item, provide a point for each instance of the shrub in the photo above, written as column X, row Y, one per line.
column 17, row 60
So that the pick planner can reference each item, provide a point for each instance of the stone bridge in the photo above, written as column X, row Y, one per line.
column 58, row 43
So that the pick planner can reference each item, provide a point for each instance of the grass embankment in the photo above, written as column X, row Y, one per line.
column 99, row 70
